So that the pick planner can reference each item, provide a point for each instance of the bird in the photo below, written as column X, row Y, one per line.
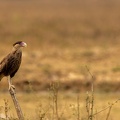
column 11, row 63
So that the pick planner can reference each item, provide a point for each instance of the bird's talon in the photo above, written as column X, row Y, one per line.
column 11, row 87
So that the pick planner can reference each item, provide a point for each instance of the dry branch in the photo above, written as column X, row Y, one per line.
column 16, row 104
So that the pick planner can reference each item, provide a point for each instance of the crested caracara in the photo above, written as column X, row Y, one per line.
column 11, row 63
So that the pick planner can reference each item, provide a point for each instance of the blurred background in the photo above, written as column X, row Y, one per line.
column 67, row 40
column 63, row 38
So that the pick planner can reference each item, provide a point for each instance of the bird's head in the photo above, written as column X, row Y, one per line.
column 19, row 44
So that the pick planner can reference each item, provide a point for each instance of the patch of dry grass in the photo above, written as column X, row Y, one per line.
column 63, row 37
column 41, row 106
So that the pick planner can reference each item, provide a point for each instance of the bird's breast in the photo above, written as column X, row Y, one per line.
column 12, row 64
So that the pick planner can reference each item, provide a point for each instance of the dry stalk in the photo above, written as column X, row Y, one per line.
column 41, row 112
column 78, row 108
column 54, row 88
column 6, row 108
column 16, row 104
column 92, row 103
column 88, row 105
column 92, row 96
column 108, row 114
column 108, row 107
column 91, row 115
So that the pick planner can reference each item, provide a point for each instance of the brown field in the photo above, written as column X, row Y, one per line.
column 40, row 106
column 63, row 38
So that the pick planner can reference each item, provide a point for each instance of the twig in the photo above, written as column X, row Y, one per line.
column 88, row 105
column 92, row 97
column 92, row 103
column 78, row 107
column 89, row 73
column 6, row 108
column 108, row 107
column 16, row 104
column 54, row 88
column 108, row 114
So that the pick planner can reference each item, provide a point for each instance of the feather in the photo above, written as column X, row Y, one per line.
column 11, row 63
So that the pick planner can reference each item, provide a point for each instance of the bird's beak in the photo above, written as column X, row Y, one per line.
column 24, row 44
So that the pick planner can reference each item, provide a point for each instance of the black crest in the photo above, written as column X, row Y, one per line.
column 17, row 43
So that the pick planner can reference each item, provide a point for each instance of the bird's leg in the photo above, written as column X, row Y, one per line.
column 11, row 87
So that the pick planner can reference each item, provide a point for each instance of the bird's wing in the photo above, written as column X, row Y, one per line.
column 2, row 65
column 4, row 62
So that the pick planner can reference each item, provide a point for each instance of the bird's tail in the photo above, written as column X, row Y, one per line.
column 1, row 76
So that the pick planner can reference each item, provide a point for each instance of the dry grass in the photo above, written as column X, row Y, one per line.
column 41, row 106
column 63, row 37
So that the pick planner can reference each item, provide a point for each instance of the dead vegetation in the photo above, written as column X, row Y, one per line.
column 57, row 105
column 62, row 39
